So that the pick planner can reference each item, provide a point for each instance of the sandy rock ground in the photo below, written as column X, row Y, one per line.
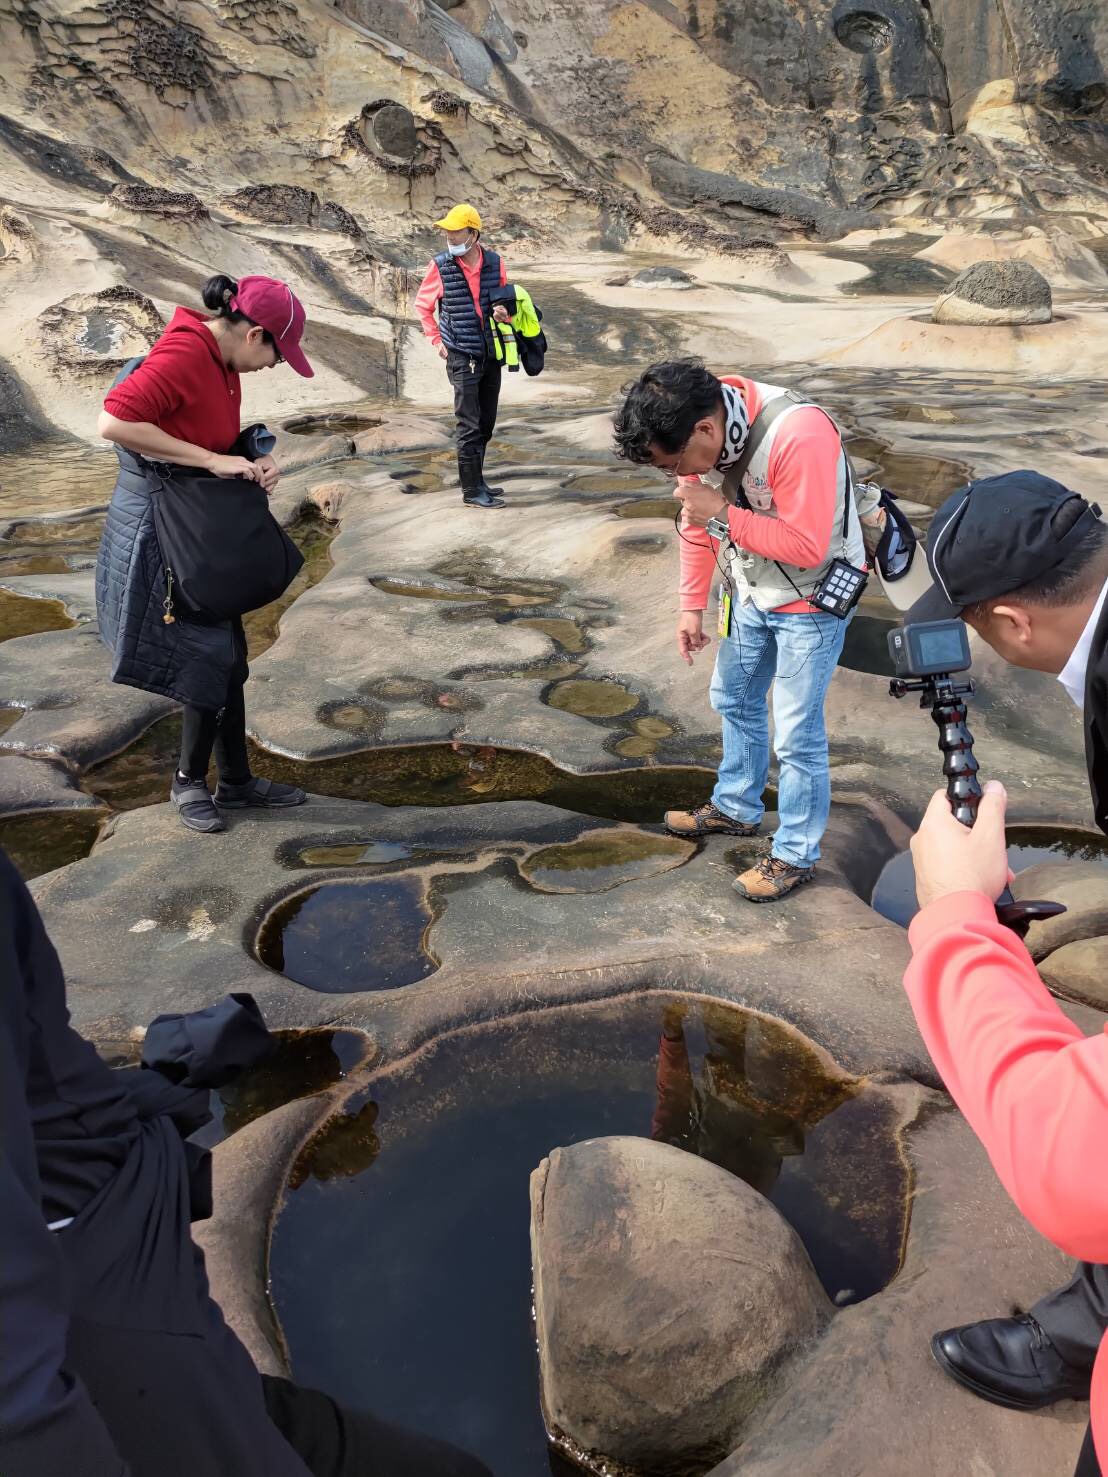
column 487, row 710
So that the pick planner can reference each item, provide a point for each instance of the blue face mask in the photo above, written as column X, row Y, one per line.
column 458, row 248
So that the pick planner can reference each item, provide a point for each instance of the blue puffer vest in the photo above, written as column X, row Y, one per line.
column 186, row 661
column 459, row 324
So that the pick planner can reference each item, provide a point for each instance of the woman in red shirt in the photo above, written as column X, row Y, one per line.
column 1032, row 1086
column 181, row 406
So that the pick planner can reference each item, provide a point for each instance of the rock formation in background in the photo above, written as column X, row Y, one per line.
column 142, row 145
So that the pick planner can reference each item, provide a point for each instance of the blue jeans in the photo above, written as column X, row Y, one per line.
column 798, row 654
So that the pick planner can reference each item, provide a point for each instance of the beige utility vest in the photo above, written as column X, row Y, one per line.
column 764, row 581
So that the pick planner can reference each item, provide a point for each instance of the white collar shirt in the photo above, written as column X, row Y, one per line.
column 1072, row 675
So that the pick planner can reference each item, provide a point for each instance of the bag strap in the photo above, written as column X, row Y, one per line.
column 760, row 427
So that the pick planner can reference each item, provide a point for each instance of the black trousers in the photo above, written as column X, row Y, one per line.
column 204, row 730
column 1075, row 1319
column 1087, row 1464
column 176, row 1389
column 476, row 398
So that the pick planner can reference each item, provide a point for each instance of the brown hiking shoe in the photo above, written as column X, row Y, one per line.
column 705, row 820
column 770, row 879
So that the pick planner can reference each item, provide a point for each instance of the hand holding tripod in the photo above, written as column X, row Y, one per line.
column 946, row 698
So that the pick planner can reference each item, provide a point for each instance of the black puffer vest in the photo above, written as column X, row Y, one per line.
column 459, row 324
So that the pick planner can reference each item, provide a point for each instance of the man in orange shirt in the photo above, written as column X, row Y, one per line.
column 458, row 283
column 773, row 554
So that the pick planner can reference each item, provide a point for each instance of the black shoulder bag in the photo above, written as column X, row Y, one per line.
column 224, row 552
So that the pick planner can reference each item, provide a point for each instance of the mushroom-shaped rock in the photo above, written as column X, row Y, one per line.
column 661, row 277
column 667, row 1293
column 992, row 292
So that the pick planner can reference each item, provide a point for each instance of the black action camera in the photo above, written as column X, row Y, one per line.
column 929, row 648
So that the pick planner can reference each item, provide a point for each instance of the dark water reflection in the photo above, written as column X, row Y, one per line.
column 405, row 1281
column 894, row 896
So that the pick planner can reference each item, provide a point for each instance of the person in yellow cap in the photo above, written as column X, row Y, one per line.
column 457, row 284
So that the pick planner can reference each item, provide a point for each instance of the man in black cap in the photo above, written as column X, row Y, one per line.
column 1024, row 561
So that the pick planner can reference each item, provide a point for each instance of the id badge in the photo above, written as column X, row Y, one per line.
column 724, row 627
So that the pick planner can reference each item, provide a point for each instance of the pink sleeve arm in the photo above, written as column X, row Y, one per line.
column 1032, row 1087
column 698, row 563
column 503, row 272
column 803, row 475
column 427, row 300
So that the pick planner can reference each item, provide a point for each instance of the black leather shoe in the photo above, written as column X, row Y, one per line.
column 1009, row 1361
column 482, row 499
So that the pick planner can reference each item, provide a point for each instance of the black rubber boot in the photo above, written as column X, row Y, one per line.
column 474, row 493
column 492, row 491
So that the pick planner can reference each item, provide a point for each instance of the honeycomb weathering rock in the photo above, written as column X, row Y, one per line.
column 96, row 333
column 169, row 204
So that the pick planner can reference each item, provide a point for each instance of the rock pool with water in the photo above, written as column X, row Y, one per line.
column 400, row 1264
column 894, row 896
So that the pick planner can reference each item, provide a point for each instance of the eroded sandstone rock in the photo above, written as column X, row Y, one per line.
column 1079, row 971
column 176, row 205
column 97, row 332
column 1082, row 886
column 994, row 292
column 667, row 1294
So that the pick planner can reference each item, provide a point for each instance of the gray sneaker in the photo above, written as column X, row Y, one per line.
column 257, row 792
column 195, row 806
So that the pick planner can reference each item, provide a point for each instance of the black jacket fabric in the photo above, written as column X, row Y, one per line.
column 186, row 661
column 99, row 1315
column 1096, row 720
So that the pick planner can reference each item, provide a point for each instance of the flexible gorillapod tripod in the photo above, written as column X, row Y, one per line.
column 946, row 699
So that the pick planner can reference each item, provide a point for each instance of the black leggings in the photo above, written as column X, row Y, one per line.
column 1087, row 1464
column 204, row 730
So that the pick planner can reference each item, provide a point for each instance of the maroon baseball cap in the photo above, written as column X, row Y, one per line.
column 273, row 306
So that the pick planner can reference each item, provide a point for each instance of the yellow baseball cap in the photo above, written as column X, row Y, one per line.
column 460, row 218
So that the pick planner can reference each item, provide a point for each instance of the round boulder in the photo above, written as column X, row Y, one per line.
column 667, row 1292
column 672, row 277
column 992, row 292
column 394, row 131
column 1081, row 886
column 1076, row 971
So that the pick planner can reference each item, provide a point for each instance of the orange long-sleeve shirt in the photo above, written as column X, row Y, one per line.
column 803, row 476
column 1032, row 1087
column 429, row 296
